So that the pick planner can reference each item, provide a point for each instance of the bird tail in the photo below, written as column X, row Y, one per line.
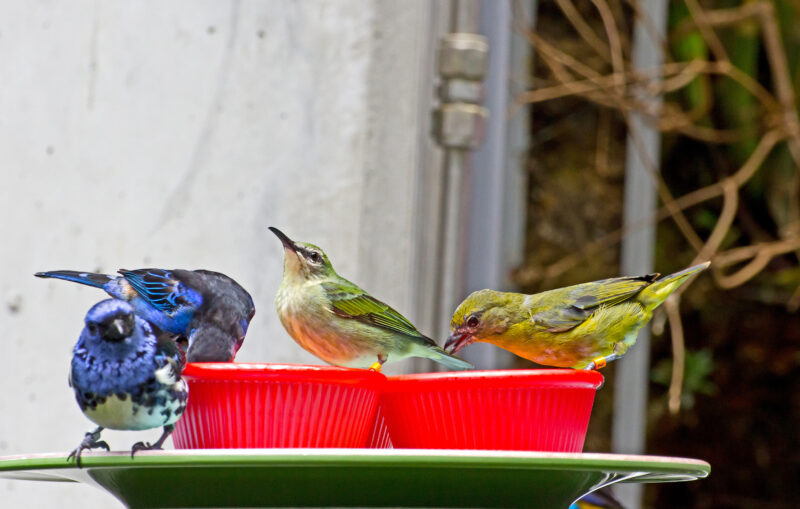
column 84, row 278
column 438, row 355
column 652, row 296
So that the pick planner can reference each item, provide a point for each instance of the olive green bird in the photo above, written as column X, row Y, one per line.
column 580, row 326
column 339, row 322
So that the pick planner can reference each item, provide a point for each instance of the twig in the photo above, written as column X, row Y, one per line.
column 761, row 255
column 689, row 69
column 711, row 39
column 782, row 79
column 715, row 190
column 748, row 169
column 723, row 226
column 617, row 90
column 672, row 307
column 722, row 17
column 583, row 29
column 614, row 44
column 557, row 60
column 664, row 193
column 619, row 15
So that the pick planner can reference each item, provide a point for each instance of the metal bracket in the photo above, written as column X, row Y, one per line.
column 460, row 121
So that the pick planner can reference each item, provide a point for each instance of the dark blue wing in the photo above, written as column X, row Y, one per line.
column 157, row 286
column 169, row 351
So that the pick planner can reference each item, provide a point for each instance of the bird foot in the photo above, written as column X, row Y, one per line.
column 144, row 446
column 147, row 446
column 376, row 367
column 90, row 441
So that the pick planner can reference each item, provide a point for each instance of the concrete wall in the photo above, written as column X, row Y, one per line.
column 171, row 134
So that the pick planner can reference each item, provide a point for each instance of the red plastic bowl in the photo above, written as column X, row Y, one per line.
column 379, row 434
column 535, row 409
column 237, row 405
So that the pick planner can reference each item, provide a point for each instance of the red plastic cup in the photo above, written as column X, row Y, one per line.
column 238, row 405
column 379, row 437
column 533, row 410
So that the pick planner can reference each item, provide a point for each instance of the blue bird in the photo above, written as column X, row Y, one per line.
column 125, row 377
column 209, row 309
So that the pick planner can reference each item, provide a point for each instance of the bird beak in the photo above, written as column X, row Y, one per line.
column 286, row 241
column 119, row 327
column 457, row 341
column 116, row 330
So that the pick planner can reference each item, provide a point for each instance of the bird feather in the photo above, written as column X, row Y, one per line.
column 156, row 286
column 352, row 302
column 581, row 301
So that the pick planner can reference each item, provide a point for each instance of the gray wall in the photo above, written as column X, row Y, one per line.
column 171, row 134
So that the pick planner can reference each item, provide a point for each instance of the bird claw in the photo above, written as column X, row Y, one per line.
column 90, row 441
column 144, row 446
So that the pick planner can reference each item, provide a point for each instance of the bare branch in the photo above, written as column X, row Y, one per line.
column 672, row 307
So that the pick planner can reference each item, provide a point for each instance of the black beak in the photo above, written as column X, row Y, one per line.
column 457, row 341
column 286, row 241
column 117, row 330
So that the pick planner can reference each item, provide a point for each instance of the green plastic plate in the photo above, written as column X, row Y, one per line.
column 350, row 477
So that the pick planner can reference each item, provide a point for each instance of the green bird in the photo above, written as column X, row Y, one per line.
column 339, row 322
column 580, row 326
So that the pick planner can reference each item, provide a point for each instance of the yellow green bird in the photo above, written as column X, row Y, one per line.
column 339, row 322
column 580, row 326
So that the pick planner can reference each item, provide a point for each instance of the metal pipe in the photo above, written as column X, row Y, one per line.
column 458, row 128
column 632, row 375
column 464, row 15
column 452, row 242
column 497, row 205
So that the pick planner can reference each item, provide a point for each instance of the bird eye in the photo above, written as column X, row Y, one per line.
column 92, row 328
column 314, row 257
column 473, row 321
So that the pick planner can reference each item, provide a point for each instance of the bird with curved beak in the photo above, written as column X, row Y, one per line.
column 580, row 326
column 339, row 322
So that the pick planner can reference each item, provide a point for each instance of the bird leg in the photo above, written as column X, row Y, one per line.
column 598, row 363
column 379, row 364
column 601, row 362
column 146, row 446
column 90, row 441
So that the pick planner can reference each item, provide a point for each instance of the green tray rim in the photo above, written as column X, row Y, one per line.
column 692, row 468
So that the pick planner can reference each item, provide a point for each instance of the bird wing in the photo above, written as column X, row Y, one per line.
column 169, row 353
column 349, row 301
column 577, row 303
column 158, row 287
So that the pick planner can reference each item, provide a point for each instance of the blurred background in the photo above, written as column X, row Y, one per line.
column 431, row 148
